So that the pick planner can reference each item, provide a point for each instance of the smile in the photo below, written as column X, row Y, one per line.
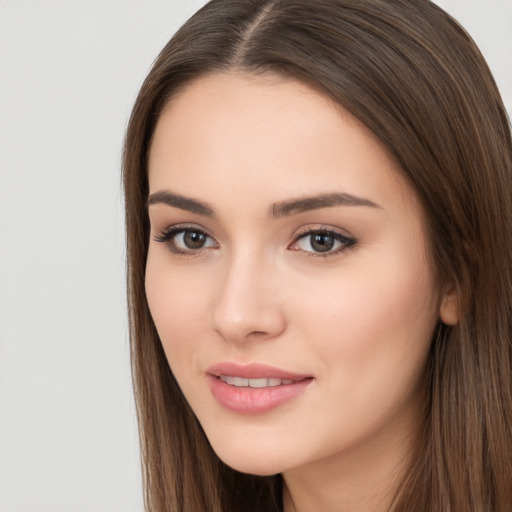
column 254, row 388
column 242, row 382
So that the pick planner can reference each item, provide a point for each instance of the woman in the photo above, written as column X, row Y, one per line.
column 318, row 202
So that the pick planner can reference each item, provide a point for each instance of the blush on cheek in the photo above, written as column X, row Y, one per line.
column 177, row 303
column 385, row 314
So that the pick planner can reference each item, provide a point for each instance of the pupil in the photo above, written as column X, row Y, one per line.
column 322, row 242
column 194, row 240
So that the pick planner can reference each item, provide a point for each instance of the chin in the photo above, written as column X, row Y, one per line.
column 253, row 467
column 255, row 462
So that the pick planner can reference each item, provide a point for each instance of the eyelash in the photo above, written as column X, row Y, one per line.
column 167, row 237
column 347, row 243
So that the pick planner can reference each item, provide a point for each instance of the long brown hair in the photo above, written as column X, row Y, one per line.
column 412, row 75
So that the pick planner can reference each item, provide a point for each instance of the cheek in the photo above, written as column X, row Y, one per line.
column 373, row 326
column 178, row 303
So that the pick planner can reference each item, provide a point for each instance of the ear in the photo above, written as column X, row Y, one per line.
column 449, row 310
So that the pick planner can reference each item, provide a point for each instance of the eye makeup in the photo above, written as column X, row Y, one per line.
column 323, row 242
column 186, row 240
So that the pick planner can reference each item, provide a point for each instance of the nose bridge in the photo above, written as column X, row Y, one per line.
column 246, row 305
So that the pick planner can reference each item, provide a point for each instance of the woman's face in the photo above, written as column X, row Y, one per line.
column 287, row 275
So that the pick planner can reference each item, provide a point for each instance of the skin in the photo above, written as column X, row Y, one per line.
column 359, row 321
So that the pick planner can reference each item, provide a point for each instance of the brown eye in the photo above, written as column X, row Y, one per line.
column 322, row 242
column 193, row 239
column 189, row 240
column 186, row 240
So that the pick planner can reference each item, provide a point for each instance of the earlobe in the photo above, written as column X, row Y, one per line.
column 449, row 311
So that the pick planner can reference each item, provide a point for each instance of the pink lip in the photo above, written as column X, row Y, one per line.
column 253, row 371
column 247, row 400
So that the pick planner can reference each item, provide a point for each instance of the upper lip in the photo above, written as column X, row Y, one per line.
column 253, row 371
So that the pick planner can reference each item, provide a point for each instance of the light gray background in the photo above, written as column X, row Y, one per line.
column 69, row 72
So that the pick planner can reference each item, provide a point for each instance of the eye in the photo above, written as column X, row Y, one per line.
column 183, row 240
column 322, row 242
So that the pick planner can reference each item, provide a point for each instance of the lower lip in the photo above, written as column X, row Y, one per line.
column 247, row 400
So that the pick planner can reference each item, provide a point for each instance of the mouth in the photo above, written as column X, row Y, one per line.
column 254, row 388
column 242, row 382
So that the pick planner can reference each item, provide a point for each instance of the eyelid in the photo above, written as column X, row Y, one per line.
column 322, row 228
column 347, row 241
column 167, row 234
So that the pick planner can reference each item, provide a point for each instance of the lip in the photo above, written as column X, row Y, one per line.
column 247, row 400
column 254, row 371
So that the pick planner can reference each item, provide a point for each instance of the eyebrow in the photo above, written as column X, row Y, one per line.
column 181, row 202
column 295, row 206
column 276, row 211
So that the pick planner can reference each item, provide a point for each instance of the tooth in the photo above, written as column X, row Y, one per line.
column 240, row 381
column 258, row 383
column 254, row 383
column 228, row 379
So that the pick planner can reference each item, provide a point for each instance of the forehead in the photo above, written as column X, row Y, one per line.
column 267, row 136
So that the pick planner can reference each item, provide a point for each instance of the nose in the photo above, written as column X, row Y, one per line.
column 247, row 305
